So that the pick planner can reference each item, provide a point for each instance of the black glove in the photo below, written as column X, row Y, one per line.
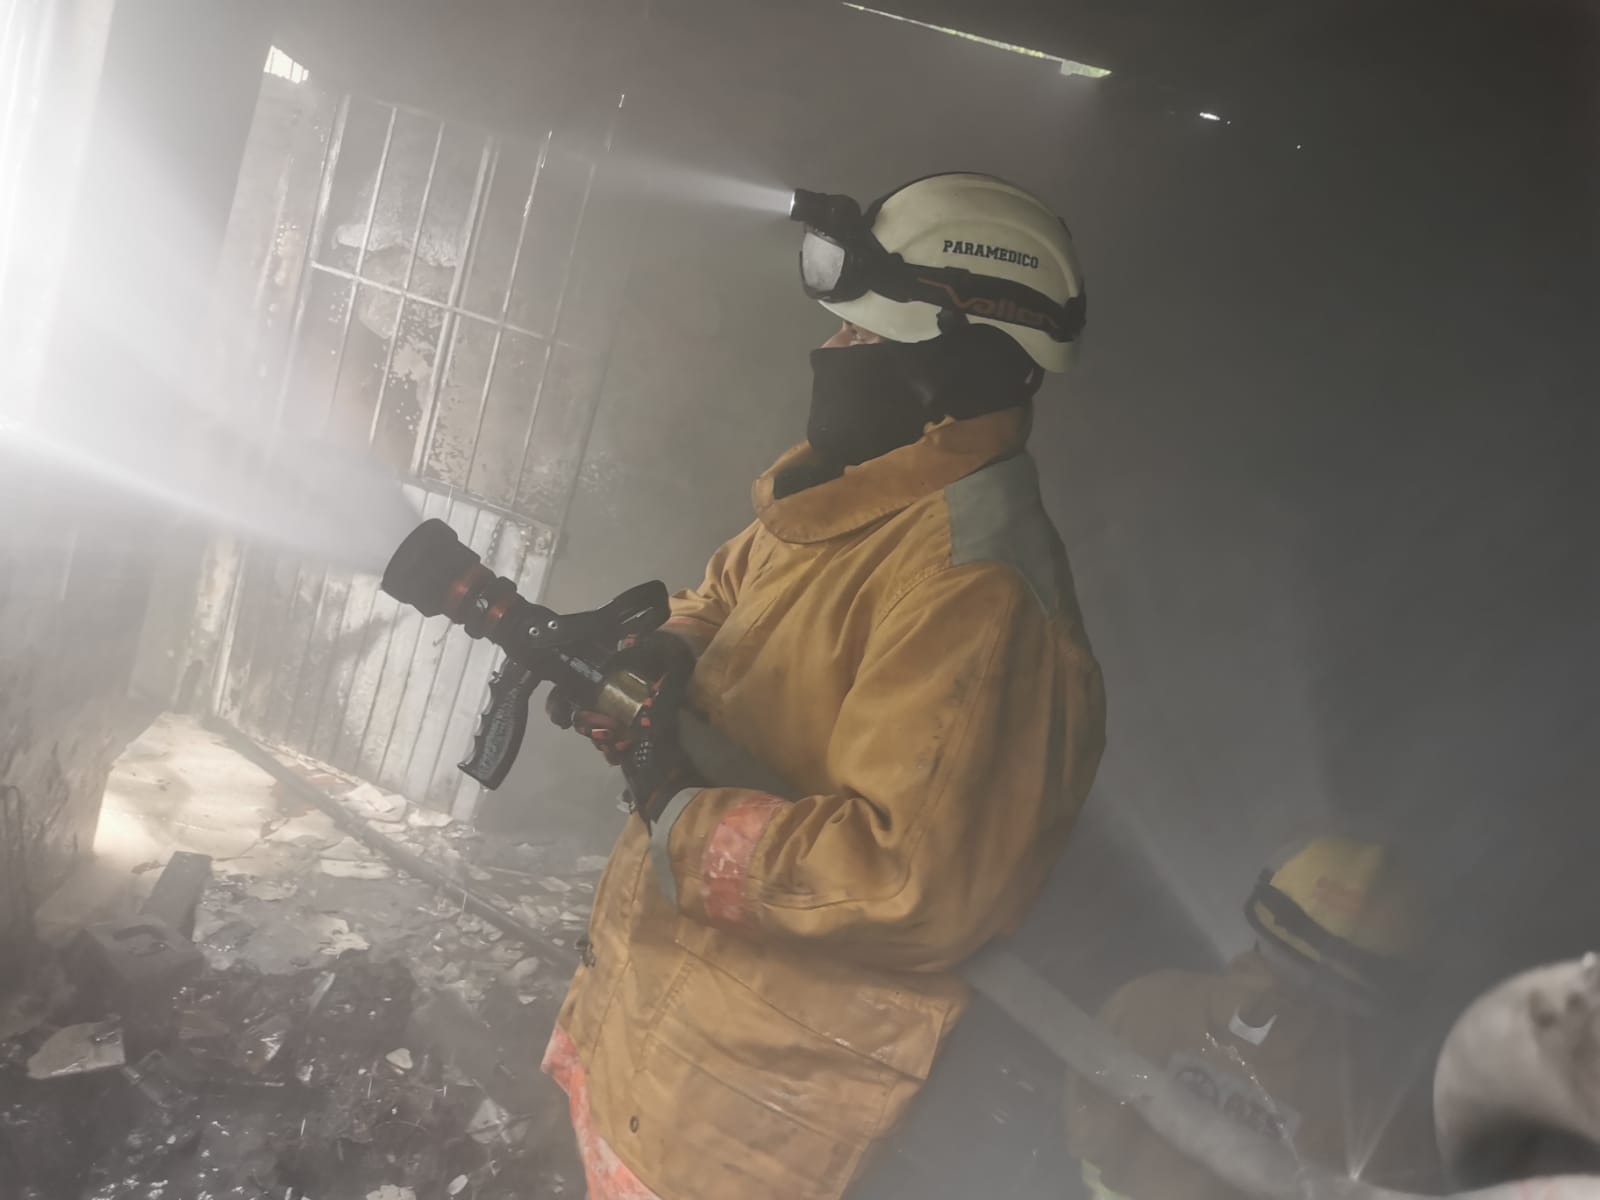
column 654, row 656
column 655, row 766
column 648, row 751
column 659, row 658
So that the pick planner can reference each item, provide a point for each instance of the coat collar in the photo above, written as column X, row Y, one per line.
column 889, row 483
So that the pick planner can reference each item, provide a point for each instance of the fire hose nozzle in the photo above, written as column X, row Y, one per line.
column 436, row 574
column 428, row 568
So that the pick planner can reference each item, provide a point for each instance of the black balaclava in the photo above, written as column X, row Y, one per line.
column 868, row 400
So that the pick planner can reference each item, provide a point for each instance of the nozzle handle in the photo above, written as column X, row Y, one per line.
column 499, row 734
column 640, row 609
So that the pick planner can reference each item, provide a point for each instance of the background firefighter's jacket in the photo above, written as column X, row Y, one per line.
column 904, row 645
column 1347, row 1094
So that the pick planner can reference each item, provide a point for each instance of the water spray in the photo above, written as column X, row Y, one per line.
column 304, row 496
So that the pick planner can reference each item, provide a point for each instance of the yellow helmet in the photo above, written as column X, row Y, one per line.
column 1340, row 905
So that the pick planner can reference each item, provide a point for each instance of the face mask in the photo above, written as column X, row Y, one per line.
column 865, row 402
column 869, row 400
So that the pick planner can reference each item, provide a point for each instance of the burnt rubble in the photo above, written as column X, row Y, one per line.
column 318, row 1084
column 300, row 1015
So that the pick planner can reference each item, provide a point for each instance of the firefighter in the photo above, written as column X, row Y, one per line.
column 1301, row 1039
column 768, row 976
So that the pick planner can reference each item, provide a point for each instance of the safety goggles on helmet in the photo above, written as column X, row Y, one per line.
column 841, row 260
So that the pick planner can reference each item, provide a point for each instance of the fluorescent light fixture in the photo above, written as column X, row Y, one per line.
column 1068, row 66
column 1209, row 117
column 280, row 64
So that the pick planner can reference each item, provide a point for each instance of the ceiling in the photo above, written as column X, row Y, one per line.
column 1280, row 63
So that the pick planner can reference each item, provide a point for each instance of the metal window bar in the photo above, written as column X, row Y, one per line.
column 406, row 279
column 570, row 492
column 549, row 344
column 338, row 364
column 355, row 288
column 483, row 407
column 487, row 165
column 455, row 310
column 549, row 347
column 315, row 238
column 389, row 680
column 505, row 312
column 307, row 662
column 445, row 351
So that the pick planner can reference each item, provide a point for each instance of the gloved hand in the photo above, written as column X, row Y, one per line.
column 603, row 733
column 647, row 750
column 656, row 768
column 661, row 659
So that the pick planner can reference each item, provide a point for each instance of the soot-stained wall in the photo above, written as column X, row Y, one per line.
column 142, row 211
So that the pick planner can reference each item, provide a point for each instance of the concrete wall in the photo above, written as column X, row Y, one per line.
column 139, row 218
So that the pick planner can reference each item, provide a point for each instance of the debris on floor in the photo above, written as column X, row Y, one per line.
column 286, row 874
column 335, row 1030
column 283, row 1085
column 78, row 1050
column 367, row 801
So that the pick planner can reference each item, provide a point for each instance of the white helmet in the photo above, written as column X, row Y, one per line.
column 998, row 254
